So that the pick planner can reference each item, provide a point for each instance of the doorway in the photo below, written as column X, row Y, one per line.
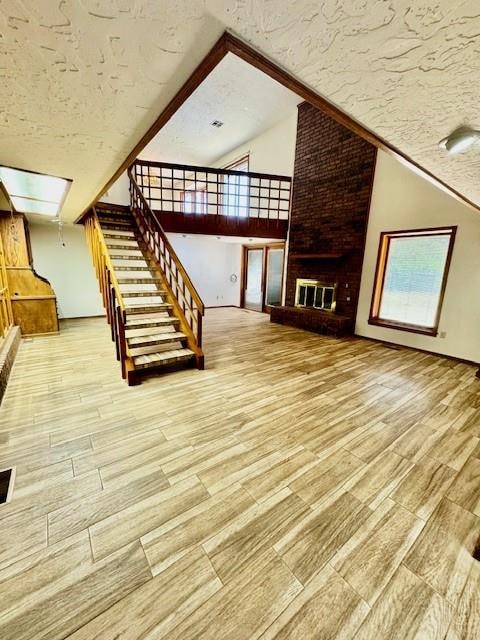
column 262, row 281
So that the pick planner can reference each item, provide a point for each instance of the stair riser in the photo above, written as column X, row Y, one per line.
column 111, row 228
column 151, row 344
column 144, row 294
column 150, row 325
column 127, row 281
column 110, row 236
column 153, row 347
column 154, row 309
column 162, row 363
column 123, row 247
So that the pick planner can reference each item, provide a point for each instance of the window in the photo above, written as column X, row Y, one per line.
column 410, row 280
column 236, row 190
column 194, row 201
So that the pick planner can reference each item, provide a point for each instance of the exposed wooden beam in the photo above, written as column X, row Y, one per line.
column 215, row 55
column 258, row 60
column 228, row 43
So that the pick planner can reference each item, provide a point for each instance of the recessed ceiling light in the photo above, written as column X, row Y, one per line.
column 217, row 123
column 459, row 141
column 32, row 192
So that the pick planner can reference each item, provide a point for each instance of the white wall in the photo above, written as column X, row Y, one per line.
column 403, row 200
column 210, row 263
column 119, row 191
column 69, row 269
column 273, row 151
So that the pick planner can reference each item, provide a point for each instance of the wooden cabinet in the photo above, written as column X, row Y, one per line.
column 34, row 304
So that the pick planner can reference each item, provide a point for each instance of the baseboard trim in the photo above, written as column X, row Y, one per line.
column 102, row 315
column 8, row 352
column 224, row 306
column 431, row 353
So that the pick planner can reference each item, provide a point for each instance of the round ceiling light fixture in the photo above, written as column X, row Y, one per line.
column 460, row 140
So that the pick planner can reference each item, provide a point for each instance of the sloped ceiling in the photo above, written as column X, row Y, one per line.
column 82, row 80
column 231, row 93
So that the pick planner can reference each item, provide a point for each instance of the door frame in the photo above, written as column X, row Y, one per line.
column 266, row 247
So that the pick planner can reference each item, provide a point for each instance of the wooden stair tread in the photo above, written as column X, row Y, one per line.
column 151, row 331
column 135, row 280
column 154, row 293
column 145, row 306
column 120, row 235
column 123, row 247
column 128, row 253
column 144, row 321
column 141, row 346
column 123, row 267
column 162, row 358
column 121, row 222
column 116, row 226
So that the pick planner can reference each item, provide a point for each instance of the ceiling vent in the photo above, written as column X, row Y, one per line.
column 217, row 123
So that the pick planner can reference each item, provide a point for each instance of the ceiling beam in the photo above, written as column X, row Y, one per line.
column 228, row 43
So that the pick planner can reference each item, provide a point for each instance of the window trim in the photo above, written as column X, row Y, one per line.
column 232, row 165
column 379, row 280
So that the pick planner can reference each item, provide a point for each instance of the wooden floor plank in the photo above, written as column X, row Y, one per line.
column 408, row 609
column 60, row 590
column 327, row 603
column 290, row 486
column 442, row 555
column 372, row 555
column 159, row 605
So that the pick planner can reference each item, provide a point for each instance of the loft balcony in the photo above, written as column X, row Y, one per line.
column 206, row 200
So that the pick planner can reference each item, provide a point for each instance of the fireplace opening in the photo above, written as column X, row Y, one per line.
column 315, row 295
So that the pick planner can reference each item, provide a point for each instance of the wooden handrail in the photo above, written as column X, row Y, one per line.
column 168, row 245
column 185, row 297
column 188, row 189
column 6, row 313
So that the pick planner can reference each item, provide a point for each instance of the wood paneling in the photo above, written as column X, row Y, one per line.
column 33, row 300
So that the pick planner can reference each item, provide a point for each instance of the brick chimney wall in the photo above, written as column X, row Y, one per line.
column 332, row 186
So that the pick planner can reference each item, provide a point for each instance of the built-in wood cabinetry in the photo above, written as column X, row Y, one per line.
column 33, row 301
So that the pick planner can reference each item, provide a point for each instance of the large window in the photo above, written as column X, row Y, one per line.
column 411, row 275
column 236, row 190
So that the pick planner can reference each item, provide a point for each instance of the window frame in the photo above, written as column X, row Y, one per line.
column 233, row 166
column 380, row 271
column 195, row 193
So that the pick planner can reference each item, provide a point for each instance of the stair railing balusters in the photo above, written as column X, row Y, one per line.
column 176, row 278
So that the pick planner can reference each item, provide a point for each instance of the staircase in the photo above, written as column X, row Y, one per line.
column 152, row 307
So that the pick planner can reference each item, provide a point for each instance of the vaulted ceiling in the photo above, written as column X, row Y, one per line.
column 82, row 80
column 243, row 98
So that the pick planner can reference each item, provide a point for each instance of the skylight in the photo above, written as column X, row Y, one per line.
column 34, row 192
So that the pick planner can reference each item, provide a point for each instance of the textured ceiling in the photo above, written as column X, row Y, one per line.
column 82, row 80
column 246, row 100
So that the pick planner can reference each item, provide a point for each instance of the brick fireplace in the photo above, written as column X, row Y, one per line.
column 332, row 186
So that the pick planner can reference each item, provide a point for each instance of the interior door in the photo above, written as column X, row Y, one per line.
column 253, row 294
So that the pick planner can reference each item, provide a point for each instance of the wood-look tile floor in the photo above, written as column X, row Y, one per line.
column 300, row 487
